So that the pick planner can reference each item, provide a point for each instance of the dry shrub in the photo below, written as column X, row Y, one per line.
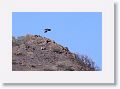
column 86, row 62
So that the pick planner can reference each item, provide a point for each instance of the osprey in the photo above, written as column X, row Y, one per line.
column 46, row 30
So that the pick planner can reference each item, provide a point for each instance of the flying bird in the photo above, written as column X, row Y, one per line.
column 46, row 30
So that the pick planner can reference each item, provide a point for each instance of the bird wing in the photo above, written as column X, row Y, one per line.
column 49, row 29
column 45, row 31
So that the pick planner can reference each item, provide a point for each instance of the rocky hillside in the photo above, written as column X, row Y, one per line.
column 37, row 53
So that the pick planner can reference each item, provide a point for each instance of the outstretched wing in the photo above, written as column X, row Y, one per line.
column 46, row 30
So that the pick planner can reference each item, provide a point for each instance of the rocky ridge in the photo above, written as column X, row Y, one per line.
column 37, row 53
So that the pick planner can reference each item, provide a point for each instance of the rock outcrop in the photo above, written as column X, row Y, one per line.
column 37, row 53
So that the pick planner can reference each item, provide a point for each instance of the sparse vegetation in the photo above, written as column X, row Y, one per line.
column 86, row 61
column 37, row 52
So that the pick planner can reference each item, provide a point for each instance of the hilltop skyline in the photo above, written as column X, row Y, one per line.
column 81, row 32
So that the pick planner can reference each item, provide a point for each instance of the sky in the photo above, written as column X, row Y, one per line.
column 81, row 32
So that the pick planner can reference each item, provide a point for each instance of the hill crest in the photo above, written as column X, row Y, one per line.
column 37, row 53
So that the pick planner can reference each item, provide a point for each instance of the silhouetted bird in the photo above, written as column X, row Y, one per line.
column 46, row 30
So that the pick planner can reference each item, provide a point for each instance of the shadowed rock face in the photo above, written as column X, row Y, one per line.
column 36, row 53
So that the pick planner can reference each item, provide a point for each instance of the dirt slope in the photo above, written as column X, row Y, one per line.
column 37, row 53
